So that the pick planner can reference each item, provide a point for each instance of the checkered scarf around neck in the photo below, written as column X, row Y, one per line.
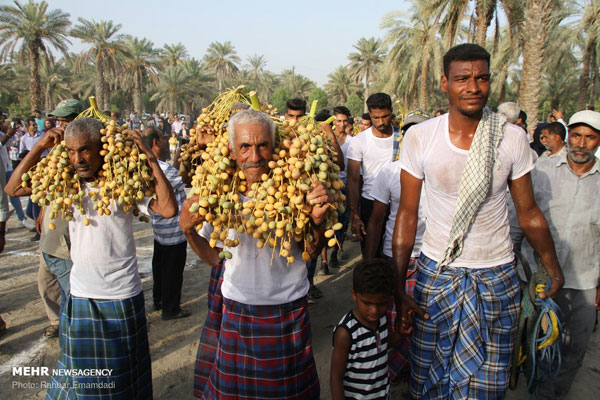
column 475, row 181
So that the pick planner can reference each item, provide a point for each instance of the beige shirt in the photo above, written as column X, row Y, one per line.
column 55, row 242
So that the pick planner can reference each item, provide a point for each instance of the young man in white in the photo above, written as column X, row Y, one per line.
column 466, row 299
column 369, row 151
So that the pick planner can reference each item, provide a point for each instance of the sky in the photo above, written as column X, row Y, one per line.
column 313, row 36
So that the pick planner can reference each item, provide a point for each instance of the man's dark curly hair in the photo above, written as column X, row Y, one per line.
column 373, row 276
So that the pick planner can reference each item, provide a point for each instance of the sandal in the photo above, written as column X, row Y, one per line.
column 51, row 331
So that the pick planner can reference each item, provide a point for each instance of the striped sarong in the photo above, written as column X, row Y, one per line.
column 398, row 357
column 464, row 350
column 103, row 335
column 264, row 352
column 207, row 348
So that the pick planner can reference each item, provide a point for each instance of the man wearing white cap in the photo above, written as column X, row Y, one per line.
column 566, row 190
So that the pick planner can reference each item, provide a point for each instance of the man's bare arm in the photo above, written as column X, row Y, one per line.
column 402, row 245
column 374, row 228
column 353, row 183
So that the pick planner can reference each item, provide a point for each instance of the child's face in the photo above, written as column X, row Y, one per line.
column 371, row 307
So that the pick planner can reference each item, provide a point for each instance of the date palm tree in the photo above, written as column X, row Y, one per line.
column 415, row 53
column 27, row 31
column 297, row 84
column 106, row 51
column 55, row 83
column 173, row 54
column 172, row 89
column 363, row 63
column 340, row 86
column 141, row 62
column 222, row 60
column 540, row 17
column 590, row 28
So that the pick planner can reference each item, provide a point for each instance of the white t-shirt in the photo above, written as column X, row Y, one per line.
column 250, row 278
column 427, row 153
column 103, row 253
column 373, row 153
column 386, row 190
column 344, row 147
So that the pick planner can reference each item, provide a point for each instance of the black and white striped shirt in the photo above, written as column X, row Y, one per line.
column 366, row 374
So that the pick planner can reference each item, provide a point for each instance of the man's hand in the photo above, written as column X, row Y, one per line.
column 557, row 114
column 135, row 137
column 408, row 308
column 53, row 137
column 557, row 282
column 320, row 198
column 358, row 228
column 188, row 220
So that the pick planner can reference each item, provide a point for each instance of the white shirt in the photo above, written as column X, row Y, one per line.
column 386, row 190
column 373, row 153
column 250, row 278
column 344, row 147
column 427, row 153
column 103, row 253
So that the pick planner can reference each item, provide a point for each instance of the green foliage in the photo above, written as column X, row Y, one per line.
column 355, row 104
column 21, row 109
column 279, row 97
column 319, row 95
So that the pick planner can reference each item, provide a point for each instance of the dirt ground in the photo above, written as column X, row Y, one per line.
column 173, row 344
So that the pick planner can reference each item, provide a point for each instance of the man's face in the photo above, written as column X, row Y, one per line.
column 32, row 128
column 365, row 124
column 552, row 118
column 64, row 121
column 583, row 142
column 37, row 114
column 163, row 148
column 381, row 118
column 47, row 124
column 340, row 122
column 550, row 141
column 84, row 155
column 253, row 148
column 467, row 86
column 293, row 115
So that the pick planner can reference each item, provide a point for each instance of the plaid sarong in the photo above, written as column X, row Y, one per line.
column 397, row 133
column 103, row 334
column 207, row 348
column 398, row 360
column 264, row 352
column 464, row 349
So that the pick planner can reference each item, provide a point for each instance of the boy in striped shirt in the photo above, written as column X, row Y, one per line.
column 359, row 364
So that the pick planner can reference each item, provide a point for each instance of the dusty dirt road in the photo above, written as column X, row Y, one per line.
column 173, row 344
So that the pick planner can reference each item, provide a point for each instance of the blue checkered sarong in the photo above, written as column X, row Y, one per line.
column 103, row 334
column 464, row 349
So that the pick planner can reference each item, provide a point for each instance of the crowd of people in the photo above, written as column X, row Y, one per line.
column 439, row 206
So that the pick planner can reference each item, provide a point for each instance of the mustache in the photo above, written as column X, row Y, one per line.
column 581, row 149
column 82, row 165
column 252, row 164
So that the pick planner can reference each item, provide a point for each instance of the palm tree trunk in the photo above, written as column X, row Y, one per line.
column 485, row 13
column 366, row 90
column 137, row 94
column 584, row 78
column 34, row 77
column 99, row 83
column 533, row 57
column 503, row 76
column 423, row 86
column 107, row 91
